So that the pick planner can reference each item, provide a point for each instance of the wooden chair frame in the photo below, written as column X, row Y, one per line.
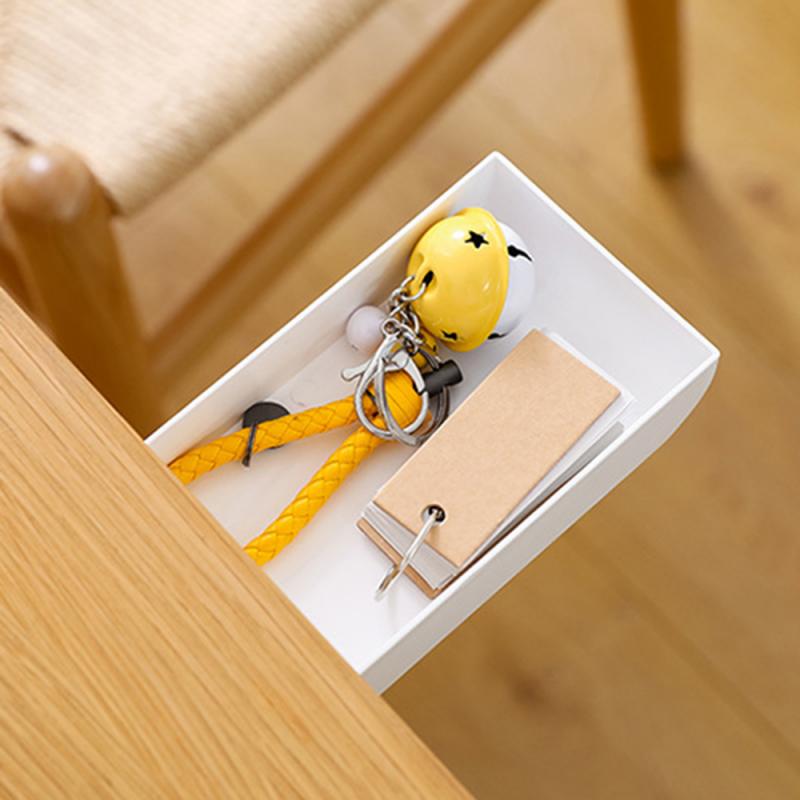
column 66, row 263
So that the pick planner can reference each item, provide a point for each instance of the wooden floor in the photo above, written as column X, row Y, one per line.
column 654, row 651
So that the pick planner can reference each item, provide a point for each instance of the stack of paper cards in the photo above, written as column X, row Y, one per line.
column 536, row 420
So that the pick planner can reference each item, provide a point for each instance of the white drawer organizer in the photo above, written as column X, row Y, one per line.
column 331, row 570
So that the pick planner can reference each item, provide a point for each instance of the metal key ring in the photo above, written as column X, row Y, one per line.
column 440, row 404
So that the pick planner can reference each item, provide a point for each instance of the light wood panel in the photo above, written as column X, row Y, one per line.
column 142, row 653
column 660, row 644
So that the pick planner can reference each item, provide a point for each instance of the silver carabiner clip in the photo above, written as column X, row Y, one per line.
column 402, row 342
column 391, row 356
column 402, row 361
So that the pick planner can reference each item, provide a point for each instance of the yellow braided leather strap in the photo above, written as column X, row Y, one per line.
column 404, row 403
column 203, row 459
column 312, row 496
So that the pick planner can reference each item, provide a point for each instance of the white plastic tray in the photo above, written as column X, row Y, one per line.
column 331, row 570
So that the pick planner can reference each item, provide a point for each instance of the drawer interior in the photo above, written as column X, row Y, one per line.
column 331, row 570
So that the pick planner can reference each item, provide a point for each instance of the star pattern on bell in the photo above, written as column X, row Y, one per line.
column 477, row 239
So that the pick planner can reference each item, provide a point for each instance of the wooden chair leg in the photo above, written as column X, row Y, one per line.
column 60, row 221
column 473, row 34
column 10, row 277
column 655, row 34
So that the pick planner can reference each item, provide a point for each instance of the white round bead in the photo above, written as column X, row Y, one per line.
column 364, row 329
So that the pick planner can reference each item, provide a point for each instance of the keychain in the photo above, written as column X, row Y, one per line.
column 469, row 279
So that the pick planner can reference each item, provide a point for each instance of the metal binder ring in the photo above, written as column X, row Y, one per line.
column 431, row 516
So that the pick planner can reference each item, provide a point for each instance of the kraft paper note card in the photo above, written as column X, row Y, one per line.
column 534, row 421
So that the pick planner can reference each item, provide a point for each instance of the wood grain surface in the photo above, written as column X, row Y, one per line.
column 142, row 654
column 653, row 651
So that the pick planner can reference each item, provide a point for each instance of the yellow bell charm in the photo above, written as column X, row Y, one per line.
column 462, row 262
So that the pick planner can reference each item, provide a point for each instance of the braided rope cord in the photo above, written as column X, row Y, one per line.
column 200, row 460
column 405, row 405
column 312, row 496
